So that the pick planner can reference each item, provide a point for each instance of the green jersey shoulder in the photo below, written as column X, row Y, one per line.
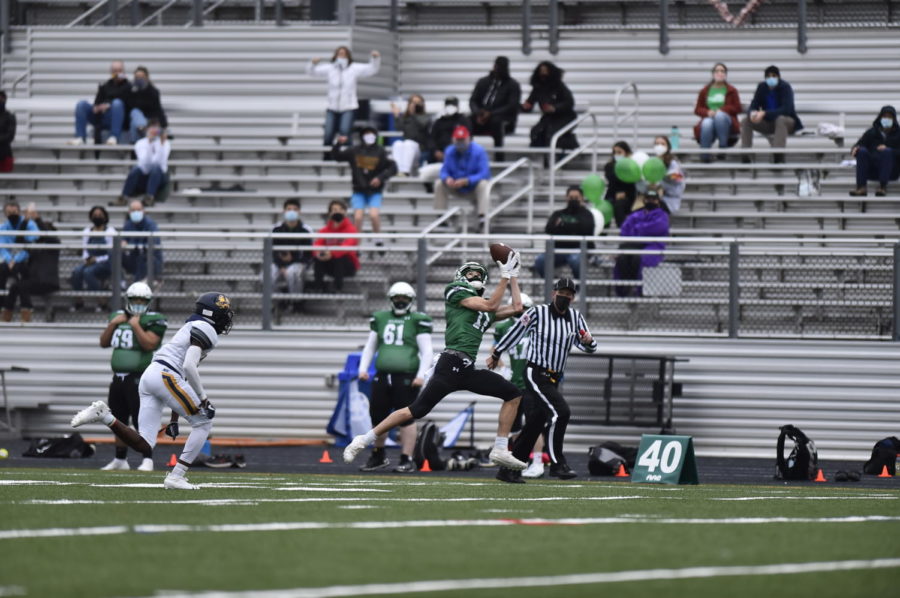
column 398, row 349
column 128, row 356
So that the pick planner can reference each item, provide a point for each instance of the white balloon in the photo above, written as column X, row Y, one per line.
column 640, row 158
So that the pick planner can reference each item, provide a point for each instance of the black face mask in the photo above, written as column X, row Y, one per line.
column 98, row 220
column 420, row 109
column 573, row 204
column 562, row 303
column 337, row 217
column 651, row 205
column 14, row 220
column 2, row 106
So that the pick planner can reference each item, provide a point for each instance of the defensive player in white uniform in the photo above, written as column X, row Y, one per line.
column 173, row 380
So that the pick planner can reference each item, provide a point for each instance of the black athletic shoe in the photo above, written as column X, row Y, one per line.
column 562, row 471
column 510, row 476
column 238, row 462
column 219, row 461
column 377, row 460
column 406, row 465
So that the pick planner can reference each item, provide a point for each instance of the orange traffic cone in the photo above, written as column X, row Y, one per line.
column 326, row 458
column 426, row 466
column 884, row 472
column 820, row 477
column 173, row 461
column 621, row 473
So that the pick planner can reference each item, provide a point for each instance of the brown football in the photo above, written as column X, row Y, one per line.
column 500, row 251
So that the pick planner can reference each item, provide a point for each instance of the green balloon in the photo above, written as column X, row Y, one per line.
column 654, row 170
column 606, row 208
column 593, row 186
column 628, row 170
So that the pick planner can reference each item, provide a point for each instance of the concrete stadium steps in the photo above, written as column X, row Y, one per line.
column 736, row 393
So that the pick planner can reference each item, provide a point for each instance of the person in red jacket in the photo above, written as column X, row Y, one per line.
column 341, row 261
column 718, row 106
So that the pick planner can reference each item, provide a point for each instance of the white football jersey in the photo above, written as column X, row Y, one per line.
column 173, row 352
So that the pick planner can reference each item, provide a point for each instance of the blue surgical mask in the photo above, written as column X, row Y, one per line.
column 887, row 123
column 291, row 215
column 137, row 216
column 771, row 81
column 342, row 62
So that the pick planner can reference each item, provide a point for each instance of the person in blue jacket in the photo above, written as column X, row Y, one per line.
column 466, row 172
column 134, row 256
column 14, row 261
column 771, row 112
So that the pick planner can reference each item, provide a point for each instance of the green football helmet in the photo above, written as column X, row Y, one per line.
column 478, row 282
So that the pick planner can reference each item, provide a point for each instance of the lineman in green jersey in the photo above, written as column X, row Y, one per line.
column 468, row 316
column 518, row 359
column 134, row 334
column 402, row 338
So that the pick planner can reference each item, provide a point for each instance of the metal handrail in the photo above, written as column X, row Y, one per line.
column 205, row 12
column 529, row 188
column 87, row 13
column 440, row 220
column 18, row 80
column 633, row 114
column 158, row 12
column 554, row 166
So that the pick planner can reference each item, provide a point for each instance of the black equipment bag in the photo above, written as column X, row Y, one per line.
column 883, row 453
column 68, row 447
column 605, row 458
column 802, row 463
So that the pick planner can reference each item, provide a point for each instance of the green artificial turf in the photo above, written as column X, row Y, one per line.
column 632, row 530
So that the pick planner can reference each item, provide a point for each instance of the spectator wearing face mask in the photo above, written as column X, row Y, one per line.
column 137, row 248
column 557, row 106
column 494, row 104
column 151, row 174
column 7, row 135
column 370, row 169
column 335, row 256
column 108, row 112
column 43, row 270
column 877, row 154
column 619, row 193
column 342, row 74
column 95, row 267
column 443, row 127
column 465, row 173
column 144, row 105
column 771, row 112
column 651, row 221
column 289, row 265
column 14, row 261
column 718, row 106
column 415, row 125
column 671, row 188
column 574, row 220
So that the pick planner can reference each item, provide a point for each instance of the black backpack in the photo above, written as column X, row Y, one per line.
column 802, row 463
column 69, row 447
column 605, row 458
column 884, row 453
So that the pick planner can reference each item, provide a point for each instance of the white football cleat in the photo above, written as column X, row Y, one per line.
column 178, row 483
column 116, row 465
column 534, row 471
column 95, row 413
column 146, row 465
column 505, row 459
column 355, row 447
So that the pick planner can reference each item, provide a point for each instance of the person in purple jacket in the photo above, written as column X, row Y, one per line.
column 651, row 221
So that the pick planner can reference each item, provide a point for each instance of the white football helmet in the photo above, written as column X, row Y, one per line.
column 401, row 296
column 526, row 301
column 137, row 298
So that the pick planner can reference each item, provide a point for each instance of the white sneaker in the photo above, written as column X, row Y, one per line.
column 505, row 459
column 146, row 465
column 178, row 483
column 112, row 141
column 116, row 465
column 534, row 471
column 96, row 412
column 75, row 141
column 355, row 447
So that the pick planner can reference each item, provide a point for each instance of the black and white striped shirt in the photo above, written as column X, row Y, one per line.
column 552, row 336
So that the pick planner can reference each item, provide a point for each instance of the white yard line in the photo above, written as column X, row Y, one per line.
column 248, row 501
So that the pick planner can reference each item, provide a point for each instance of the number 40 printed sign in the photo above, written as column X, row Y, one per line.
column 666, row 460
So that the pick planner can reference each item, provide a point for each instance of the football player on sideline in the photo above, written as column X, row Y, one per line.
column 134, row 334
column 173, row 380
column 468, row 315
column 402, row 338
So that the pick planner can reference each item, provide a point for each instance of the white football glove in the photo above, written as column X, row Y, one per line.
column 511, row 267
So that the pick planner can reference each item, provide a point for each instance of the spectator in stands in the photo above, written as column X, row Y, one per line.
column 108, row 112
column 289, row 265
column 718, row 106
column 651, row 221
column 620, row 194
column 150, row 176
column 552, row 96
column 135, row 259
column 342, row 261
column 443, row 127
column 96, row 267
column 495, row 104
column 574, row 220
column 13, row 261
column 144, row 105
column 342, row 74
column 370, row 169
column 465, row 172
column 43, row 271
column 415, row 125
column 771, row 112
column 7, row 135
column 877, row 154
column 671, row 188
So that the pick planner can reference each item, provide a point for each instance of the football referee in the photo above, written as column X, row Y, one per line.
column 553, row 329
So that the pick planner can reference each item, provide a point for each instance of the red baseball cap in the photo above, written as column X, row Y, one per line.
column 460, row 132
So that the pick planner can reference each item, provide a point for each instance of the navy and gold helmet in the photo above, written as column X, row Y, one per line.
column 216, row 307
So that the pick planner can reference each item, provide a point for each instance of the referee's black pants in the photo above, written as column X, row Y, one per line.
column 545, row 407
